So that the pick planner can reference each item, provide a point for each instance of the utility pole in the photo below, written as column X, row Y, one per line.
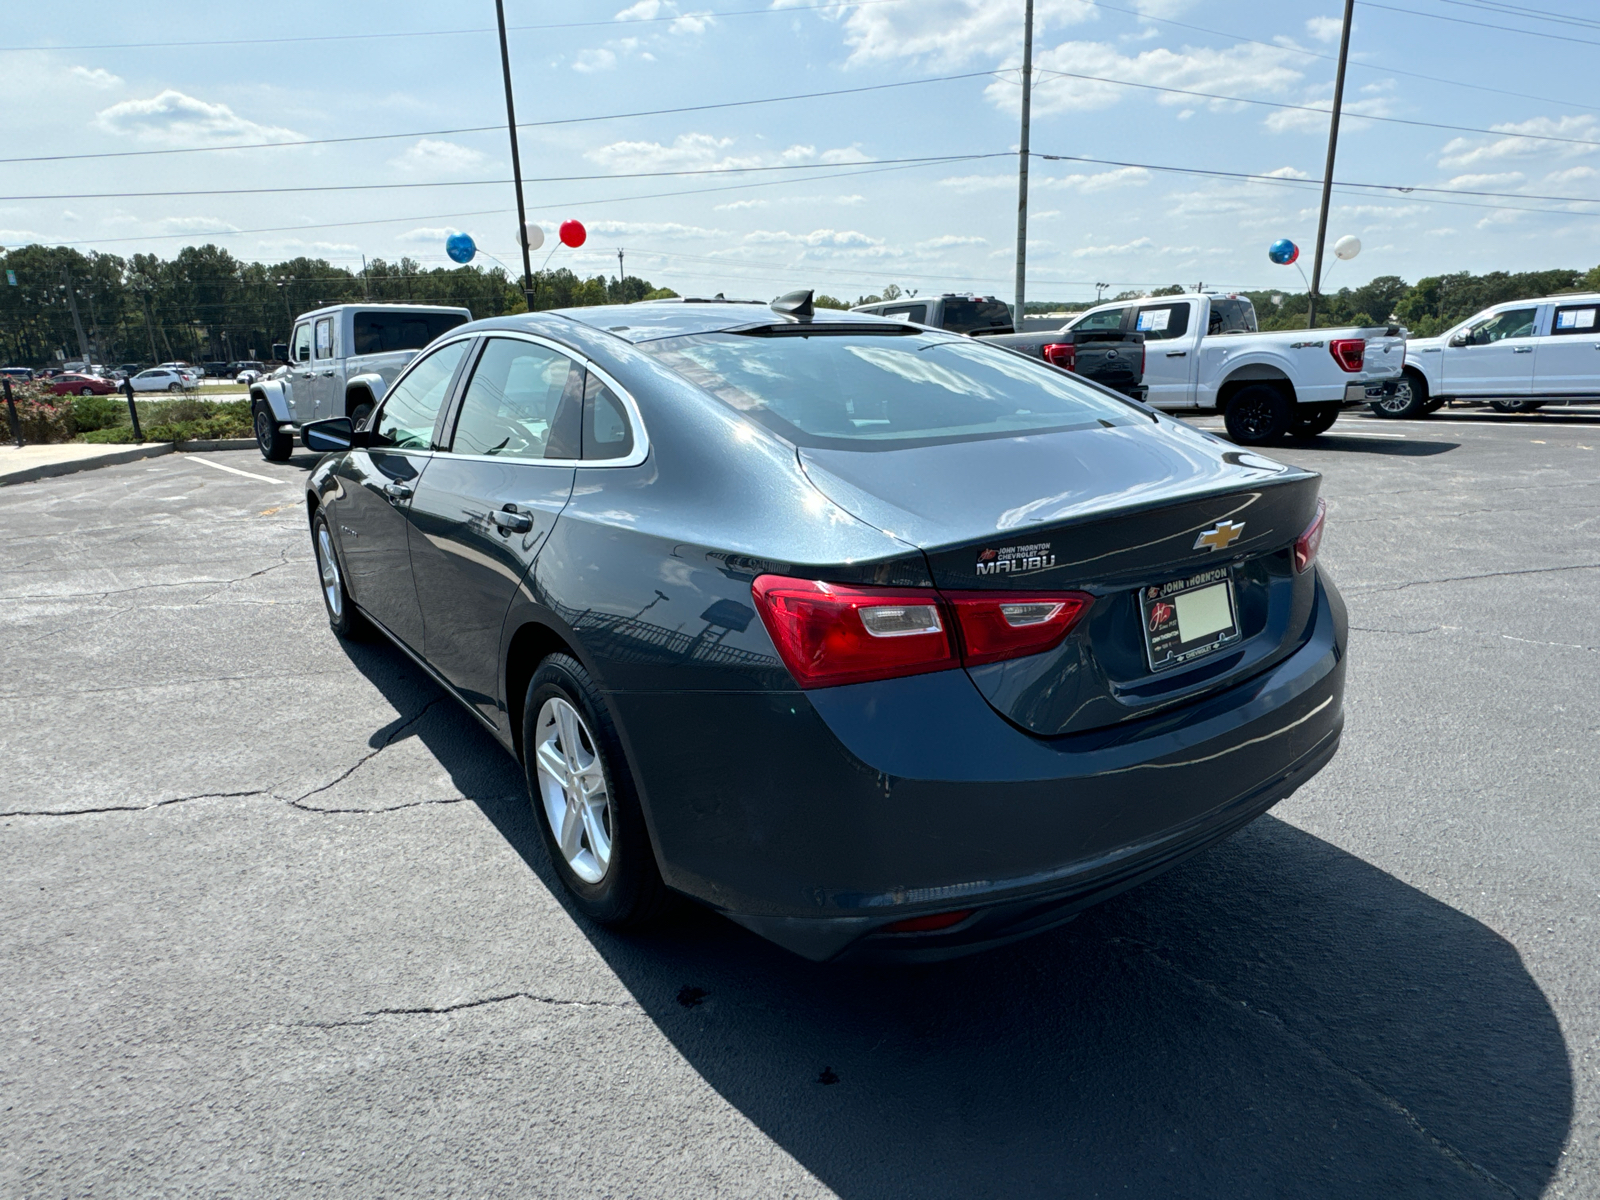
column 366, row 291
column 516, row 159
column 1022, row 168
column 621, row 275
column 77, row 321
column 1327, row 170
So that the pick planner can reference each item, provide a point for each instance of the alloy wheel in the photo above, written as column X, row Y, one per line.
column 263, row 429
column 332, row 586
column 572, row 786
column 1256, row 417
column 1400, row 402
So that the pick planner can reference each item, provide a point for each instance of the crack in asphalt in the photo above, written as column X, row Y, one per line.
column 394, row 734
column 1447, row 1151
column 1478, row 633
column 111, row 808
column 372, row 1015
column 1400, row 587
column 126, row 687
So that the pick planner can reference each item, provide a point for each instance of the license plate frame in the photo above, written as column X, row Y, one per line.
column 1158, row 607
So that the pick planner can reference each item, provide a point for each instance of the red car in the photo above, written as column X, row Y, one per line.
column 72, row 384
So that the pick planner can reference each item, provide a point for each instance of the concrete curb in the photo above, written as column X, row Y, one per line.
column 73, row 466
column 216, row 444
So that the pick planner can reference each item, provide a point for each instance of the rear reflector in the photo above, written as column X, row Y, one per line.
column 1305, row 548
column 1349, row 353
column 828, row 634
column 1000, row 625
column 1061, row 354
column 930, row 923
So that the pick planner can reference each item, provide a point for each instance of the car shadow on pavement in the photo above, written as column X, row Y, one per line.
column 1368, row 445
column 1274, row 1017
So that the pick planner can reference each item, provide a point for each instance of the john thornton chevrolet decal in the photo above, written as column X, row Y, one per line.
column 1219, row 536
column 1017, row 560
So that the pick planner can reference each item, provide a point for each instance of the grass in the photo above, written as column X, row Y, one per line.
column 104, row 419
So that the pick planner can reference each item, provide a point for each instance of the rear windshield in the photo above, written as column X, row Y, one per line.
column 883, row 391
column 965, row 316
column 378, row 332
column 1232, row 314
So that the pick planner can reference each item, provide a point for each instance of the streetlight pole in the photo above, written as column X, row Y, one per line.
column 516, row 159
column 1327, row 170
column 1022, row 168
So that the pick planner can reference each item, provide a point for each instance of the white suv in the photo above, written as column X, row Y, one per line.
column 1519, row 356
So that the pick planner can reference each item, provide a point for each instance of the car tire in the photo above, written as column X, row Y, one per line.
column 360, row 413
column 344, row 618
column 1435, row 403
column 1515, row 406
column 85, row 391
column 1258, row 415
column 608, row 865
column 274, row 444
column 1319, row 420
column 174, row 387
column 1408, row 402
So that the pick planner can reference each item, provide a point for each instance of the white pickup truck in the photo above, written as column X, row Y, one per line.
column 1205, row 351
column 341, row 359
column 1518, row 356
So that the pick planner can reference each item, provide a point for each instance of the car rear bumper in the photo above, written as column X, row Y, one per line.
column 817, row 818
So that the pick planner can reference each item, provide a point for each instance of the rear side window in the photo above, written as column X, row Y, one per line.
column 380, row 332
column 968, row 316
column 522, row 402
column 909, row 312
column 411, row 407
column 884, row 391
column 1110, row 319
column 324, row 343
column 1232, row 314
column 302, row 344
column 606, row 433
column 1162, row 321
column 1579, row 320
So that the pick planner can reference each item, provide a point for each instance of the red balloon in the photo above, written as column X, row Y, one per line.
column 573, row 234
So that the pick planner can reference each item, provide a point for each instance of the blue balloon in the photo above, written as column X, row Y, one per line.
column 1283, row 252
column 460, row 247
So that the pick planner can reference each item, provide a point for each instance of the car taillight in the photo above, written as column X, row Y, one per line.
column 1061, row 354
column 1001, row 625
column 1305, row 548
column 1348, row 352
column 828, row 633
column 930, row 923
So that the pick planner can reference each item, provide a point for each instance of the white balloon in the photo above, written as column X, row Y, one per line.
column 535, row 235
column 1347, row 247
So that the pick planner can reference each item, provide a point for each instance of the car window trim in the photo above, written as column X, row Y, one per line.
column 641, row 439
column 444, row 408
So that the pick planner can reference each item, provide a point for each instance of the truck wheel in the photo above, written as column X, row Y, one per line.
column 1434, row 404
column 360, row 413
column 275, row 445
column 1515, row 406
column 344, row 618
column 1258, row 415
column 1409, row 401
column 1319, row 420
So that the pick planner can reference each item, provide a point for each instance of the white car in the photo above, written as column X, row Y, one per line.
column 1206, row 351
column 1519, row 356
column 247, row 376
column 163, row 379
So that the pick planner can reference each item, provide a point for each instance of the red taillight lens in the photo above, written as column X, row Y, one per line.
column 1061, row 354
column 1305, row 549
column 1348, row 352
column 930, row 923
column 1000, row 625
column 828, row 634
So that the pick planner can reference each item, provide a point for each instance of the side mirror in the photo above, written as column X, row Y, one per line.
column 1461, row 339
column 280, row 352
column 333, row 435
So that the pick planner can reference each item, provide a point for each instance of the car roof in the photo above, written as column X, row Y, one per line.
column 651, row 320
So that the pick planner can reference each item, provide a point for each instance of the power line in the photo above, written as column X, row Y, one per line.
column 174, row 44
column 1515, row 10
column 377, row 187
column 421, row 133
column 1538, row 33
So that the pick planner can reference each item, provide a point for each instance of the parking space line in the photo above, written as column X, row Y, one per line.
column 236, row 471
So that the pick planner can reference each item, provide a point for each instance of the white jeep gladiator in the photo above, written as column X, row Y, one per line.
column 340, row 361
column 1205, row 351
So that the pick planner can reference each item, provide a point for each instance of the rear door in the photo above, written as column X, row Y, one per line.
column 1494, row 356
column 1171, row 341
column 325, row 351
column 378, row 484
column 1566, row 361
column 489, row 501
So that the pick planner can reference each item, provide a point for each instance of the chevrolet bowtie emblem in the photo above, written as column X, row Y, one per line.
column 1220, row 536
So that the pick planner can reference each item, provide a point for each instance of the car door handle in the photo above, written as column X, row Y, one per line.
column 1177, row 354
column 508, row 520
column 328, row 374
column 1522, row 349
column 397, row 491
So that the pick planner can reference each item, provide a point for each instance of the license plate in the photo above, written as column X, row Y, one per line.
column 1188, row 618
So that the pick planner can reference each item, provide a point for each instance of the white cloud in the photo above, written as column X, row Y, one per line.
column 739, row 205
column 1300, row 120
column 1326, row 29
column 702, row 151
column 1469, row 152
column 1497, row 179
column 1571, row 175
column 590, row 61
column 427, row 235
column 175, row 119
column 848, row 239
column 952, row 31
column 1249, row 69
column 1099, row 181
column 645, row 10
column 946, row 241
column 1287, row 173
column 196, row 225
column 432, row 157
column 664, row 229
column 96, row 77
column 1137, row 244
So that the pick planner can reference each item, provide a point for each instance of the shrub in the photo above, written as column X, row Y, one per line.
column 97, row 412
column 42, row 416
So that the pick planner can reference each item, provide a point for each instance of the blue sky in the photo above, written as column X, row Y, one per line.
column 836, row 221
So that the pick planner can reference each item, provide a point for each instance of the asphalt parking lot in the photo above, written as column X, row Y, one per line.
column 277, row 920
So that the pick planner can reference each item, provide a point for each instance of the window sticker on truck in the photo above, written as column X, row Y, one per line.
column 1575, row 318
column 1154, row 320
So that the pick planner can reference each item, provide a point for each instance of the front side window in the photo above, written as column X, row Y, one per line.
column 302, row 344
column 523, row 402
column 1111, row 318
column 1580, row 320
column 1159, row 322
column 606, row 433
column 412, row 406
column 909, row 312
column 1515, row 322
column 884, row 391
column 325, row 338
